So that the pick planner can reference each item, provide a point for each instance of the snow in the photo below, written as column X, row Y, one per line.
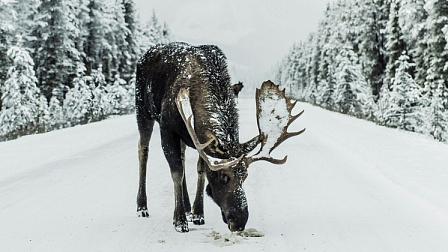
column 348, row 185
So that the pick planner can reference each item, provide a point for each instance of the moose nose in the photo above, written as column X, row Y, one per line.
column 236, row 221
column 234, row 226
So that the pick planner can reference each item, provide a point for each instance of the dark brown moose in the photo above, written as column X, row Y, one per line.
column 187, row 90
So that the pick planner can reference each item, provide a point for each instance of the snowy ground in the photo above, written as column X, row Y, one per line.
column 348, row 185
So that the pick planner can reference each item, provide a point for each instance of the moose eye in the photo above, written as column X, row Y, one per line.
column 225, row 179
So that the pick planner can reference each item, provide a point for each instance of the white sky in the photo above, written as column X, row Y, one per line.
column 254, row 34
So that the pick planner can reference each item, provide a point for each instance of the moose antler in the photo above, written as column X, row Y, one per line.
column 184, row 107
column 273, row 119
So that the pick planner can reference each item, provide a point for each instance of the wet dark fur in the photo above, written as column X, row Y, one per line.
column 161, row 72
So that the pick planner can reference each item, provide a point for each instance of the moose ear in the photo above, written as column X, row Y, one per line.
column 237, row 88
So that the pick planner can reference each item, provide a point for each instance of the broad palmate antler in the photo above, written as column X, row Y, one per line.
column 273, row 119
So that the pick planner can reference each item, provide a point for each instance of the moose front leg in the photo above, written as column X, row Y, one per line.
column 186, row 197
column 145, row 129
column 173, row 153
column 198, row 205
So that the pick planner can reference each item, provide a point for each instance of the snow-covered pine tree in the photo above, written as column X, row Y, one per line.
column 128, row 62
column 326, row 90
column 352, row 94
column 55, row 54
column 398, row 102
column 95, row 29
column 23, row 16
column 20, row 97
column 394, row 42
column 43, row 116
column 437, row 43
column 288, row 72
column 409, row 93
column 101, row 104
column 119, row 96
column 436, row 113
column 6, row 35
column 55, row 114
column 326, row 81
column 152, row 33
column 311, row 54
column 78, row 102
column 114, row 48
column 370, row 23
column 418, row 42
column 382, row 112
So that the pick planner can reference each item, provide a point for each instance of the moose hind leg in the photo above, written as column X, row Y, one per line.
column 145, row 129
column 173, row 153
column 198, row 205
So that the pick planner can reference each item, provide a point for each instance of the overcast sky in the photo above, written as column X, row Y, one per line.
column 254, row 34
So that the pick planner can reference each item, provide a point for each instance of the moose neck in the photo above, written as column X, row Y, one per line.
column 215, row 112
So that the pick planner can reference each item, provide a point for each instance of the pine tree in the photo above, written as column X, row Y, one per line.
column 21, row 97
column 290, row 72
column 409, row 93
column 114, row 48
column 352, row 94
column 436, row 113
column 327, row 90
column 100, row 104
column 120, row 98
column 129, row 61
column 437, row 44
column 383, row 111
column 55, row 54
column 55, row 114
column 371, row 40
column 78, row 102
column 7, row 37
column 394, row 43
column 95, row 30
column 154, row 33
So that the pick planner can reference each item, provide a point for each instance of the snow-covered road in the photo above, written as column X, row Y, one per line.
column 348, row 185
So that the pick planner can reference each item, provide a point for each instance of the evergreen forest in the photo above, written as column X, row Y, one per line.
column 69, row 62
column 380, row 60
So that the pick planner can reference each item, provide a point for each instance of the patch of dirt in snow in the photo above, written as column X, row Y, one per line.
column 229, row 239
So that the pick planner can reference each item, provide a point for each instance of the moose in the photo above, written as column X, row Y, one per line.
column 187, row 90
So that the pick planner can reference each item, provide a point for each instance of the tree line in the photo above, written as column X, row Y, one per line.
column 69, row 62
column 381, row 60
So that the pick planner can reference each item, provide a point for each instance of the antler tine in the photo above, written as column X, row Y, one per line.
column 215, row 164
column 293, row 118
column 269, row 159
column 284, row 137
column 289, row 134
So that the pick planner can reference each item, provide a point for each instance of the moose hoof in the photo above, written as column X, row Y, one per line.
column 189, row 216
column 182, row 227
column 198, row 219
column 142, row 212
